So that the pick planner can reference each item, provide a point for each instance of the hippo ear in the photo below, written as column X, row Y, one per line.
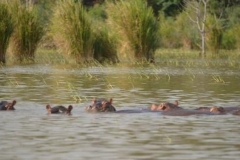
column 14, row 102
column 70, row 107
column 111, row 101
column 48, row 106
column 161, row 106
column 164, row 107
column 176, row 103
column 94, row 101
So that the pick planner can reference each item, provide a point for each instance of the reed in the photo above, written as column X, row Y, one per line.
column 6, row 29
column 72, row 30
column 137, row 28
column 28, row 31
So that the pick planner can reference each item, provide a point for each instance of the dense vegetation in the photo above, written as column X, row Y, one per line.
column 116, row 30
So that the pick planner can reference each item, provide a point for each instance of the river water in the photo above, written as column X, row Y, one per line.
column 29, row 133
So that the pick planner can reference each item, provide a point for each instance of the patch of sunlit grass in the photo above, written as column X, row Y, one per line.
column 218, row 79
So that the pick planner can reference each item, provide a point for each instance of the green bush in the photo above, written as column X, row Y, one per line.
column 178, row 33
column 168, row 33
column 231, row 38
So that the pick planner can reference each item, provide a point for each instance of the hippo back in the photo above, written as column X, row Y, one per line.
column 3, row 105
column 55, row 109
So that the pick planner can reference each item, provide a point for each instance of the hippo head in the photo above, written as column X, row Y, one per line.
column 218, row 110
column 165, row 106
column 10, row 106
column 101, row 106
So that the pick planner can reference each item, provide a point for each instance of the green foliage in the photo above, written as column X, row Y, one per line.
column 178, row 33
column 72, row 30
column 168, row 7
column 233, row 16
column 188, row 33
column 231, row 38
column 168, row 33
column 6, row 29
column 135, row 24
column 28, row 31
column 214, row 34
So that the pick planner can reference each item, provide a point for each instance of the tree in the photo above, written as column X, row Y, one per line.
column 197, row 12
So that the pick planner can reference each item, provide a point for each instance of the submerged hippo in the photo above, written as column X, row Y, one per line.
column 236, row 112
column 214, row 109
column 220, row 110
column 172, row 109
column 165, row 106
column 101, row 106
column 5, row 105
column 59, row 109
column 107, row 106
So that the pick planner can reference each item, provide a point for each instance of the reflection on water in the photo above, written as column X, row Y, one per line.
column 28, row 133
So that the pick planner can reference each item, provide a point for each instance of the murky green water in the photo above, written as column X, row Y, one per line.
column 28, row 133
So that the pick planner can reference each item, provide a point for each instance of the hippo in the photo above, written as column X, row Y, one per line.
column 214, row 109
column 173, row 109
column 107, row 106
column 165, row 106
column 236, row 112
column 5, row 105
column 101, row 106
column 59, row 109
column 220, row 110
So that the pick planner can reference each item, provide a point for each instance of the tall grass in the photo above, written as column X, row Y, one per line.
column 137, row 27
column 72, row 30
column 105, row 46
column 28, row 31
column 6, row 29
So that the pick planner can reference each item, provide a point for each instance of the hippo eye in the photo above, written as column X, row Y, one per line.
column 164, row 107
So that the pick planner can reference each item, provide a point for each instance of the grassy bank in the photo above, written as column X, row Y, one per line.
column 164, row 57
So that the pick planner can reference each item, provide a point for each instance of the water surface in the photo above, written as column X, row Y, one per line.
column 29, row 133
